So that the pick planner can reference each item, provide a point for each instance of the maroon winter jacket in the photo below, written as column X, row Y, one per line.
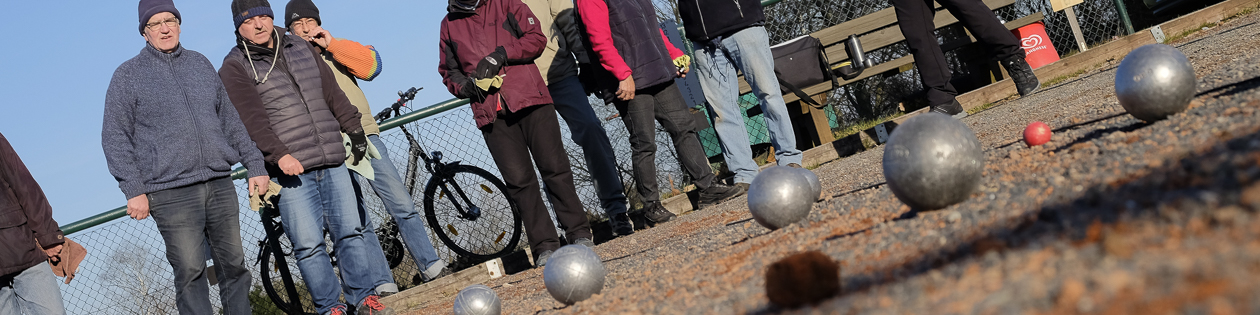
column 467, row 38
column 25, row 215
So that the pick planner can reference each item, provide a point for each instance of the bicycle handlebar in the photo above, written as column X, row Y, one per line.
column 393, row 110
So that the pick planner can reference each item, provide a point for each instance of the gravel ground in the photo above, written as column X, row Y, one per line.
column 1114, row 215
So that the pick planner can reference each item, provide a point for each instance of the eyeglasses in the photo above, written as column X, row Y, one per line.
column 305, row 22
column 171, row 23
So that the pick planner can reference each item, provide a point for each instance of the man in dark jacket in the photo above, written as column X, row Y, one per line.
column 171, row 136
column 294, row 110
column 637, row 76
column 497, row 41
column 26, row 280
column 730, row 36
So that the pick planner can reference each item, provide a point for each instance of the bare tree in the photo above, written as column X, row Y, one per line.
column 133, row 275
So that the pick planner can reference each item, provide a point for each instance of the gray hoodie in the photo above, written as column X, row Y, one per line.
column 169, row 123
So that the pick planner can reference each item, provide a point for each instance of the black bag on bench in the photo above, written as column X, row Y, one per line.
column 802, row 62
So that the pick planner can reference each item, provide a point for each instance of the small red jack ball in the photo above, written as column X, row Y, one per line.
column 1036, row 134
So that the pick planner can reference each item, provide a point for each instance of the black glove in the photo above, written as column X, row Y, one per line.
column 358, row 146
column 469, row 90
column 490, row 65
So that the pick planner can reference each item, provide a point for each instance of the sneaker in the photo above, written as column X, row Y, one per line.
column 657, row 213
column 584, row 242
column 621, row 225
column 952, row 109
column 1025, row 80
column 372, row 306
column 540, row 260
column 338, row 310
column 717, row 193
column 436, row 270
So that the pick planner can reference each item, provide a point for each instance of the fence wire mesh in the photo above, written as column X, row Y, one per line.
column 127, row 271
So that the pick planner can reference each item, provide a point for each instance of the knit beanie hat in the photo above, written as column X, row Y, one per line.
column 297, row 9
column 244, row 9
column 149, row 8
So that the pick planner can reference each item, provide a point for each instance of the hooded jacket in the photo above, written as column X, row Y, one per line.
column 466, row 38
column 25, row 215
column 297, row 108
column 706, row 20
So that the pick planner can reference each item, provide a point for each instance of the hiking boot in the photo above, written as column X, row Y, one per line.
column 717, row 193
column 372, row 306
column 584, row 242
column 437, row 270
column 952, row 109
column 621, row 225
column 657, row 213
column 337, row 310
column 1025, row 80
column 540, row 260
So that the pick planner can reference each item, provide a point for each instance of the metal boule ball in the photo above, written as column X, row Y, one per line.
column 573, row 273
column 933, row 161
column 780, row 196
column 1155, row 81
column 477, row 299
column 814, row 184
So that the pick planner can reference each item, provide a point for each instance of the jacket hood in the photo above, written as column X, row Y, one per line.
column 464, row 6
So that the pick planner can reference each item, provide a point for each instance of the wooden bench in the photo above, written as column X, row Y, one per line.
column 876, row 30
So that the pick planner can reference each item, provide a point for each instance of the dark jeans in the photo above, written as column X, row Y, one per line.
column 662, row 103
column 588, row 133
column 535, row 132
column 915, row 19
column 189, row 217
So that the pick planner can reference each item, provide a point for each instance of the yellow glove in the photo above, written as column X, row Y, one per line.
column 487, row 83
column 682, row 62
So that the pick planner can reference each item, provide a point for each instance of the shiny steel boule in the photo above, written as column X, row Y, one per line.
column 933, row 161
column 780, row 196
column 814, row 184
column 1155, row 81
column 477, row 299
column 573, row 273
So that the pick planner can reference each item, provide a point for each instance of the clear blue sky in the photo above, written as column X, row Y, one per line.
column 61, row 55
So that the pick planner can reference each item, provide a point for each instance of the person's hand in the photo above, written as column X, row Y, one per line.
column 321, row 37
column 258, row 185
column 358, row 146
column 138, row 207
column 490, row 65
column 684, row 65
column 683, row 73
column 53, row 251
column 290, row 165
column 625, row 89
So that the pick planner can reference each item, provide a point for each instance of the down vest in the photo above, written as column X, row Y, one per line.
column 467, row 38
column 299, row 109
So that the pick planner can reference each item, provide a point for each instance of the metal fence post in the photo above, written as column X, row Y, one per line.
column 1124, row 17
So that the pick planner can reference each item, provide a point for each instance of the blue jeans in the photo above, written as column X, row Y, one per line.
column 310, row 203
column 191, row 217
column 31, row 291
column 749, row 51
column 388, row 184
column 587, row 132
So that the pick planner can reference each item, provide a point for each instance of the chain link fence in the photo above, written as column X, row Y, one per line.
column 127, row 272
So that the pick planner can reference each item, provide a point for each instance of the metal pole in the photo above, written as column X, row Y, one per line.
column 1124, row 17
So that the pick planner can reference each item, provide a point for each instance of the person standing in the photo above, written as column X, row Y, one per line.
column 637, row 76
column 29, row 237
column 915, row 18
column 349, row 61
column 731, row 37
column 170, row 136
column 559, row 71
column 487, row 50
column 295, row 112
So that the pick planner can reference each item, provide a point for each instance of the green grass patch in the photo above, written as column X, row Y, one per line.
column 980, row 108
column 1183, row 35
column 863, row 125
column 1060, row 79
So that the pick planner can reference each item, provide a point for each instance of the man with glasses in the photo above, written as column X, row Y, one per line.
column 170, row 137
column 349, row 61
column 294, row 110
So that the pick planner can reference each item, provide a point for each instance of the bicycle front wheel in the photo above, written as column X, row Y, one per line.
column 494, row 227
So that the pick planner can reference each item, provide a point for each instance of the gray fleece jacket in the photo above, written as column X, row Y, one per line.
column 169, row 123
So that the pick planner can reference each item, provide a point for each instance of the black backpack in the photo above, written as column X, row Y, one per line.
column 802, row 62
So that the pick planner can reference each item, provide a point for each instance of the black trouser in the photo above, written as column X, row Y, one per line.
column 664, row 103
column 535, row 132
column 915, row 19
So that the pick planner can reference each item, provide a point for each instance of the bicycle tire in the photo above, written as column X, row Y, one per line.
column 281, row 301
column 482, row 239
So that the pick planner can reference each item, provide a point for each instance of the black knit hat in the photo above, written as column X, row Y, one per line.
column 298, row 9
column 244, row 9
column 149, row 8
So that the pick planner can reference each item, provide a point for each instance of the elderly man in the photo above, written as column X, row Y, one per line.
column 27, row 284
column 294, row 110
column 170, row 137
column 349, row 61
